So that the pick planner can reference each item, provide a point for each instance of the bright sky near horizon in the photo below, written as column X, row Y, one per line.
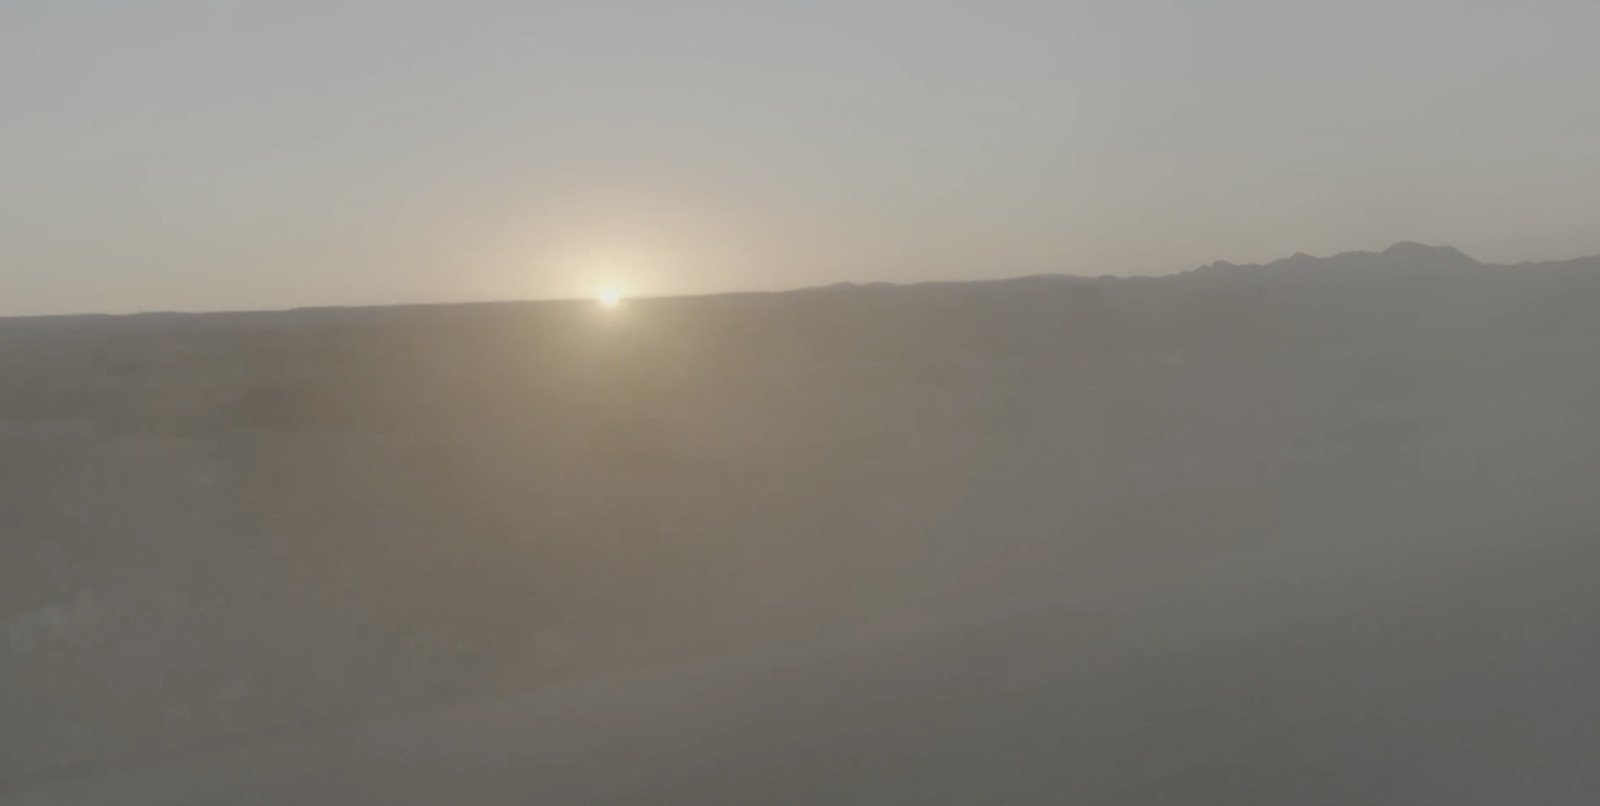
column 224, row 154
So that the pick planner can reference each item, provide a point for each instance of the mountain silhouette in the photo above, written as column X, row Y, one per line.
column 1405, row 256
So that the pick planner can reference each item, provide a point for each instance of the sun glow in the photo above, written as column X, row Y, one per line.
column 610, row 298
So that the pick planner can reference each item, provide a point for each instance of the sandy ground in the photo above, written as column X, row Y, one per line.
column 1336, row 669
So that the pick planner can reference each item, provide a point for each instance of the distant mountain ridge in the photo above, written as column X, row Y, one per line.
column 1404, row 256
column 1408, row 257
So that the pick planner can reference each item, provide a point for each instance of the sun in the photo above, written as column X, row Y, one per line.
column 610, row 298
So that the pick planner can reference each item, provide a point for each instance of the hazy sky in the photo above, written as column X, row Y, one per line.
column 205, row 154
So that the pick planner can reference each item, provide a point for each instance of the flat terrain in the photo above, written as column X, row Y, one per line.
column 1319, row 531
column 1421, row 669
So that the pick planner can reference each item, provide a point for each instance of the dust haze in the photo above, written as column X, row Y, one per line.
column 1318, row 531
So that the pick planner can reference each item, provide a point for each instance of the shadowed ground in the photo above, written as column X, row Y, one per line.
column 1450, row 665
column 1308, row 532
